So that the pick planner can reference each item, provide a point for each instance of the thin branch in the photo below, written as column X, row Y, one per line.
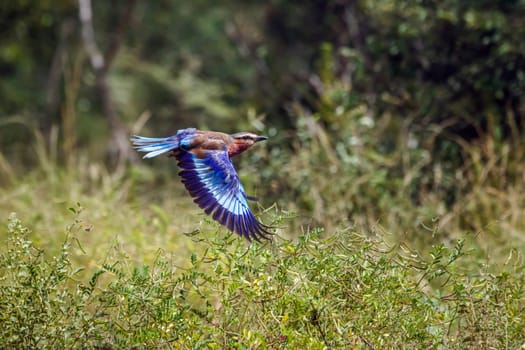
column 88, row 35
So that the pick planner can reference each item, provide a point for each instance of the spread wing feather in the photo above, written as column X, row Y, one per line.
column 215, row 186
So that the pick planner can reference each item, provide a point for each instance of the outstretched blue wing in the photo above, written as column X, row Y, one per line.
column 216, row 188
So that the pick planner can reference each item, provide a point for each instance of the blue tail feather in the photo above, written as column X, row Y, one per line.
column 154, row 146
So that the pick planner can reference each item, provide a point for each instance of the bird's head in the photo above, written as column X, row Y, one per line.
column 242, row 141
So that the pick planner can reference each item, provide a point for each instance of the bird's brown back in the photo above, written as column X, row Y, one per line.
column 209, row 141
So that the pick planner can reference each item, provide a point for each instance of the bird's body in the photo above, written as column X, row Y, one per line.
column 209, row 175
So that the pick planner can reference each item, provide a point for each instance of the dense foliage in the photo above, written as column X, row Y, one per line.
column 341, row 292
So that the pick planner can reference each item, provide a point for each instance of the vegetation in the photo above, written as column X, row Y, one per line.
column 339, row 292
column 393, row 174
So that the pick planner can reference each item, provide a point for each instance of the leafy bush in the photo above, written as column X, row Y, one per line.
column 38, row 308
column 340, row 292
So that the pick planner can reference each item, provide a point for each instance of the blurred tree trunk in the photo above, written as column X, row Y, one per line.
column 118, row 147
column 53, row 85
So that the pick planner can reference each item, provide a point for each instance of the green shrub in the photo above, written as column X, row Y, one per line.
column 345, row 291
column 41, row 304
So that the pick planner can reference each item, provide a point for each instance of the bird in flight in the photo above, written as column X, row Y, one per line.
column 209, row 175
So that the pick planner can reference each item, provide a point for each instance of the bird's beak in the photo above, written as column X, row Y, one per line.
column 260, row 138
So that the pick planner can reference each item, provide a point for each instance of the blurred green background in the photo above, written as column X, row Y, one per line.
column 405, row 116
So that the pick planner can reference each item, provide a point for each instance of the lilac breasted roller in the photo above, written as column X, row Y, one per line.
column 209, row 175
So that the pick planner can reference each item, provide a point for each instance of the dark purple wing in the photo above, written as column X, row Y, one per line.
column 215, row 187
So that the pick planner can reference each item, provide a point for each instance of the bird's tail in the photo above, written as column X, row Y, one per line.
column 154, row 146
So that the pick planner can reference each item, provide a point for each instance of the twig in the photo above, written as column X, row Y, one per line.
column 88, row 35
